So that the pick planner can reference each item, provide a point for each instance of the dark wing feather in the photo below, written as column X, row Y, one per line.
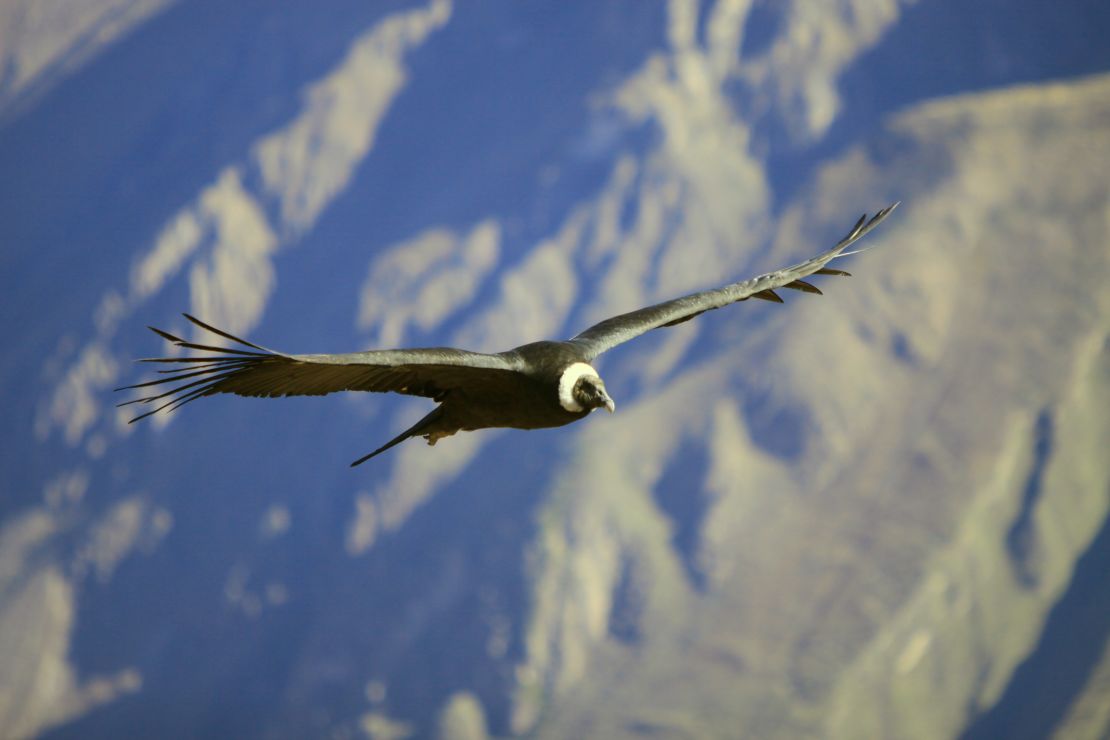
column 619, row 329
column 429, row 372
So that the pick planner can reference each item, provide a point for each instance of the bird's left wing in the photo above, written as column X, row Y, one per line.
column 618, row 329
column 251, row 370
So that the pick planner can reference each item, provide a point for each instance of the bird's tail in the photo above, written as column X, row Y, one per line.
column 417, row 429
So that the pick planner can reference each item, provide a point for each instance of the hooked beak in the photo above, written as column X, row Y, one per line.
column 606, row 401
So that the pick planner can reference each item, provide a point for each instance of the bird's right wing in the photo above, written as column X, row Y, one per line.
column 618, row 329
column 256, row 371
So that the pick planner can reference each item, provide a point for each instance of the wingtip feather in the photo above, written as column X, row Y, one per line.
column 219, row 332
column 804, row 287
column 166, row 335
column 769, row 295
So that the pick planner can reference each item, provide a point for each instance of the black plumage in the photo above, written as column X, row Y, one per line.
column 543, row 384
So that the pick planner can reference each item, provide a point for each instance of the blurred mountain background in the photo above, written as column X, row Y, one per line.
column 884, row 512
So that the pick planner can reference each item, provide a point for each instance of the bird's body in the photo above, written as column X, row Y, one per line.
column 516, row 399
column 537, row 385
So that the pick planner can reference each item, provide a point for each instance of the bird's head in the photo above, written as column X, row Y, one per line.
column 582, row 389
column 590, row 393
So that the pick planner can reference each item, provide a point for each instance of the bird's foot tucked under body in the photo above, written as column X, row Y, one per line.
column 436, row 436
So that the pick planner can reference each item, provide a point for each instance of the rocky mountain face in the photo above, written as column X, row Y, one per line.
column 882, row 512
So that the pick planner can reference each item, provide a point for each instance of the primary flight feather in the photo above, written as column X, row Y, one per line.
column 543, row 384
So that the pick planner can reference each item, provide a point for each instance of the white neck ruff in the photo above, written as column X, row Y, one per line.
column 567, row 380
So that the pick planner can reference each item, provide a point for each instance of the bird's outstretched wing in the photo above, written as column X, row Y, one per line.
column 618, row 329
column 252, row 370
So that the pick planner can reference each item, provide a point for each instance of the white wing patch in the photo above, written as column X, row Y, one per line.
column 567, row 380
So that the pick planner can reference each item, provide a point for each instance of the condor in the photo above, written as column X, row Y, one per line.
column 543, row 384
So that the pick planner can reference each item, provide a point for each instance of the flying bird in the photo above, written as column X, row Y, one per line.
column 537, row 385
